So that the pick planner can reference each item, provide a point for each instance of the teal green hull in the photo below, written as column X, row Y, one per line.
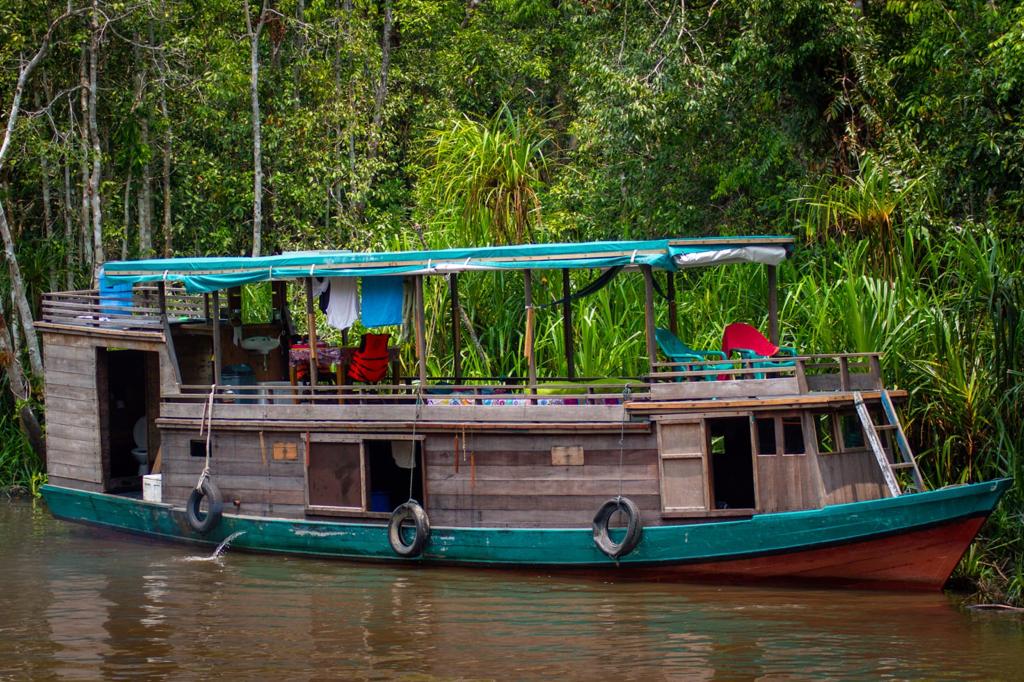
column 785, row 534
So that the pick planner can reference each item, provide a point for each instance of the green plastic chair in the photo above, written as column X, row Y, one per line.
column 678, row 352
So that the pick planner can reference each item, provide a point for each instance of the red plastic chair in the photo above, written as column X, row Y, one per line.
column 750, row 344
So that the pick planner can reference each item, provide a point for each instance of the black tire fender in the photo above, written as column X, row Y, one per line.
column 634, row 527
column 409, row 511
column 204, row 523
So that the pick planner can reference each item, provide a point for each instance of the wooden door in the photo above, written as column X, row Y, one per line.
column 683, row 466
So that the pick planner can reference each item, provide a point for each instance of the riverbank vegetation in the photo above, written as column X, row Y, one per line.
column 888, row 136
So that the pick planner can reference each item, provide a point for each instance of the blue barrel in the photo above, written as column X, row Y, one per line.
column 240, row 375
column 380, row 501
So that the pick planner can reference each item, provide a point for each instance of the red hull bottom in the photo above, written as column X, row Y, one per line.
column 918, row 560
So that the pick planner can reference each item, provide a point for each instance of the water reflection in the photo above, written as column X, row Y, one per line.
column 77, row 602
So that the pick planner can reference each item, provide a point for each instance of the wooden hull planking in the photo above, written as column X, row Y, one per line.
column 908, row 542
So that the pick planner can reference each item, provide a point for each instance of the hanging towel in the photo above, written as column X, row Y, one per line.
column 342, row 303
column 382, row 301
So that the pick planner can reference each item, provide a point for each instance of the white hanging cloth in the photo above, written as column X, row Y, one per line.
column 342, row 303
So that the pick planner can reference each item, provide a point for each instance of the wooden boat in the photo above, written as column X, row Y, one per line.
column 793, row 469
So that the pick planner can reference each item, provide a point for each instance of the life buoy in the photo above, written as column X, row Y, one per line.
column 634, row 527
column 410, row 511
column 200, row 522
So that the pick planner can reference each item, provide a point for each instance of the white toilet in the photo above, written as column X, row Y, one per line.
column 141, row 452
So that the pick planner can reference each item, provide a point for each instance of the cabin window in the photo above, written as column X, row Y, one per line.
column 197, row 448
column 363, row 474
column 851, row 431
column 792, row 436
column 823, row 426
column 731, row 471
column 335, row 475
column 766, row 436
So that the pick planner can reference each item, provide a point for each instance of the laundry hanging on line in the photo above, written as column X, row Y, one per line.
column 382, row 301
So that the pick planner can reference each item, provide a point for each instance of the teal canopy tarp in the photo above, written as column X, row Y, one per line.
column 211, row 274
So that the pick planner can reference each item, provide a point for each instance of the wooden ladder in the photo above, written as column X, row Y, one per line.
column 872, row 430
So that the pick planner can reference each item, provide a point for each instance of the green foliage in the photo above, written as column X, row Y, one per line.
column 484, row 177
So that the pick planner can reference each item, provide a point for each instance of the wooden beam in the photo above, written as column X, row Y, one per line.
column 570, row 351
column 453, row 287
column 311, row 329
column 652, row 356
column 670, row 291
column 773, row 305
column 421, row 338
column 531, row 361
column 216, row 337
column 161, row 292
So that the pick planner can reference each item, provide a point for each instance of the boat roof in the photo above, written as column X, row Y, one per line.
column 204, row 274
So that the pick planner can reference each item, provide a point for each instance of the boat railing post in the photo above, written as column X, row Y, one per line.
column 311, row 329
column 570, row 351
column 421, row 339
column 670, row 292
column 453, row 287
column 216, row 337
column 649, row 317
column 531, row 363
column 773, row 305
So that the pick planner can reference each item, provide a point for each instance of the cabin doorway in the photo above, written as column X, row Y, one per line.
column 127, row 384
column 731, row 463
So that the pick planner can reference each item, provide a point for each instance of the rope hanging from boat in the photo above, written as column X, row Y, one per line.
column 205, row 487
column 206, row 425
column 415, row 420
column 626, row 392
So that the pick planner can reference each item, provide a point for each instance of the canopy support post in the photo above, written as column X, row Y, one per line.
column 649, row 316
column 216, row 337
column 773, row 304
column 421, row 339
column 670, row 291
column 453, row 287
column 531, row 361
column 311, row 330
column 570, row 351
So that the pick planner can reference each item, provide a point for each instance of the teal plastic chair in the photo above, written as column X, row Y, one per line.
column 678, row 352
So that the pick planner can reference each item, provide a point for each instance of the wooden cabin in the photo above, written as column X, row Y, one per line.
column 526, row 451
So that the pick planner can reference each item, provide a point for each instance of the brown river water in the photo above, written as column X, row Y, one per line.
column 80, row 603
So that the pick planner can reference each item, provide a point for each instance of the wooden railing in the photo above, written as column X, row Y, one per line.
column 138, row 311
column 767, row 376
column 553, row 393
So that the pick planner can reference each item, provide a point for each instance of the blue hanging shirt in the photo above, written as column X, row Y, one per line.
column 382, row 301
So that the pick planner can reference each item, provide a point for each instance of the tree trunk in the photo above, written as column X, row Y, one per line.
column 94, row 137
column 35, row 357
column 18, row 385
column 382, row 83
column 44, row 168
column 69, row 227
column 83, row 162
column 127, row 214
column 257, row 140
column 145, row 199
column 160, row 62
column 144, row 195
